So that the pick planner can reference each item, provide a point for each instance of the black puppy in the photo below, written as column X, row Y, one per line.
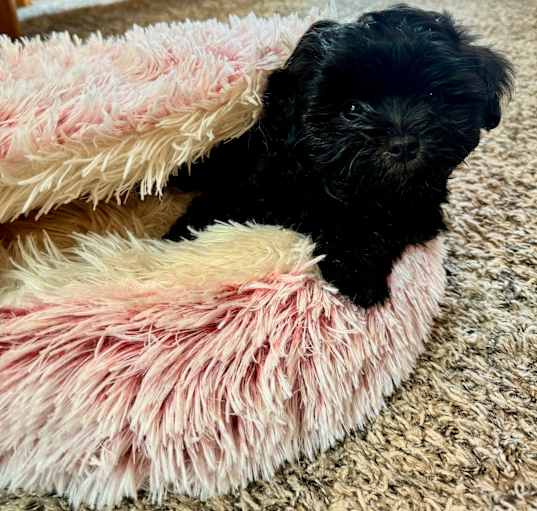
column 359, row 133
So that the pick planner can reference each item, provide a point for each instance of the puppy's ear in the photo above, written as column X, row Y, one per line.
column 497, row 73
column 311, row 47
column 286, row 87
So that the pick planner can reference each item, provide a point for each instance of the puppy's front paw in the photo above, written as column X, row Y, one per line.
column 364, row 287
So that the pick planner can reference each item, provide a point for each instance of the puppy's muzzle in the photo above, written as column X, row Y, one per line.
column 403, row 148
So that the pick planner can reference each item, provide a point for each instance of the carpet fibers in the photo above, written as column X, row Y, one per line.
column 461, row 434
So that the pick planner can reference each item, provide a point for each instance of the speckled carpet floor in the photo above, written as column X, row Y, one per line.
column 461, row 434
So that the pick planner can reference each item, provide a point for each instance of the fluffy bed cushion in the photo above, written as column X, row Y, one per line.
column 193, row 367
column 127, row 362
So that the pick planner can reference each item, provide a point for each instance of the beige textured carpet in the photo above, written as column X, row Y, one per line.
column 461, row 434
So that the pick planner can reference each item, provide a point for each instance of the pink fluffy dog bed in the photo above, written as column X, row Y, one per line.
column 127, row 362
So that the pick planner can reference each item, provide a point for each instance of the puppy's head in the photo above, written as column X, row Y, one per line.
column 398, row 95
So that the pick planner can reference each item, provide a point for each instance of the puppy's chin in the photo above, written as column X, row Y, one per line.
column 393, row 166
column 417, row 170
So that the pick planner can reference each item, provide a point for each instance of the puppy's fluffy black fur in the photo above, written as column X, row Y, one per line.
column 359, row 133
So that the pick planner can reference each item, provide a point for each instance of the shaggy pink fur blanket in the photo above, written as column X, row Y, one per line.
column 127, row 362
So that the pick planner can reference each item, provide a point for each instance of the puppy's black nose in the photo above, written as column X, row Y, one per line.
column 404, row 148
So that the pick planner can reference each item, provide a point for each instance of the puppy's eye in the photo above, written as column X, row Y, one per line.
column 437, row 96
column 349, row 109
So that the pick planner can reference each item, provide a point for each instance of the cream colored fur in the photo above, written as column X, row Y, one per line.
column 224, row 254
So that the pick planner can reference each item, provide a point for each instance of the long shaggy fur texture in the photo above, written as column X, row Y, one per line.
column 116, row 376
column 96, row 119
column 128, row 362
column 147, row 218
